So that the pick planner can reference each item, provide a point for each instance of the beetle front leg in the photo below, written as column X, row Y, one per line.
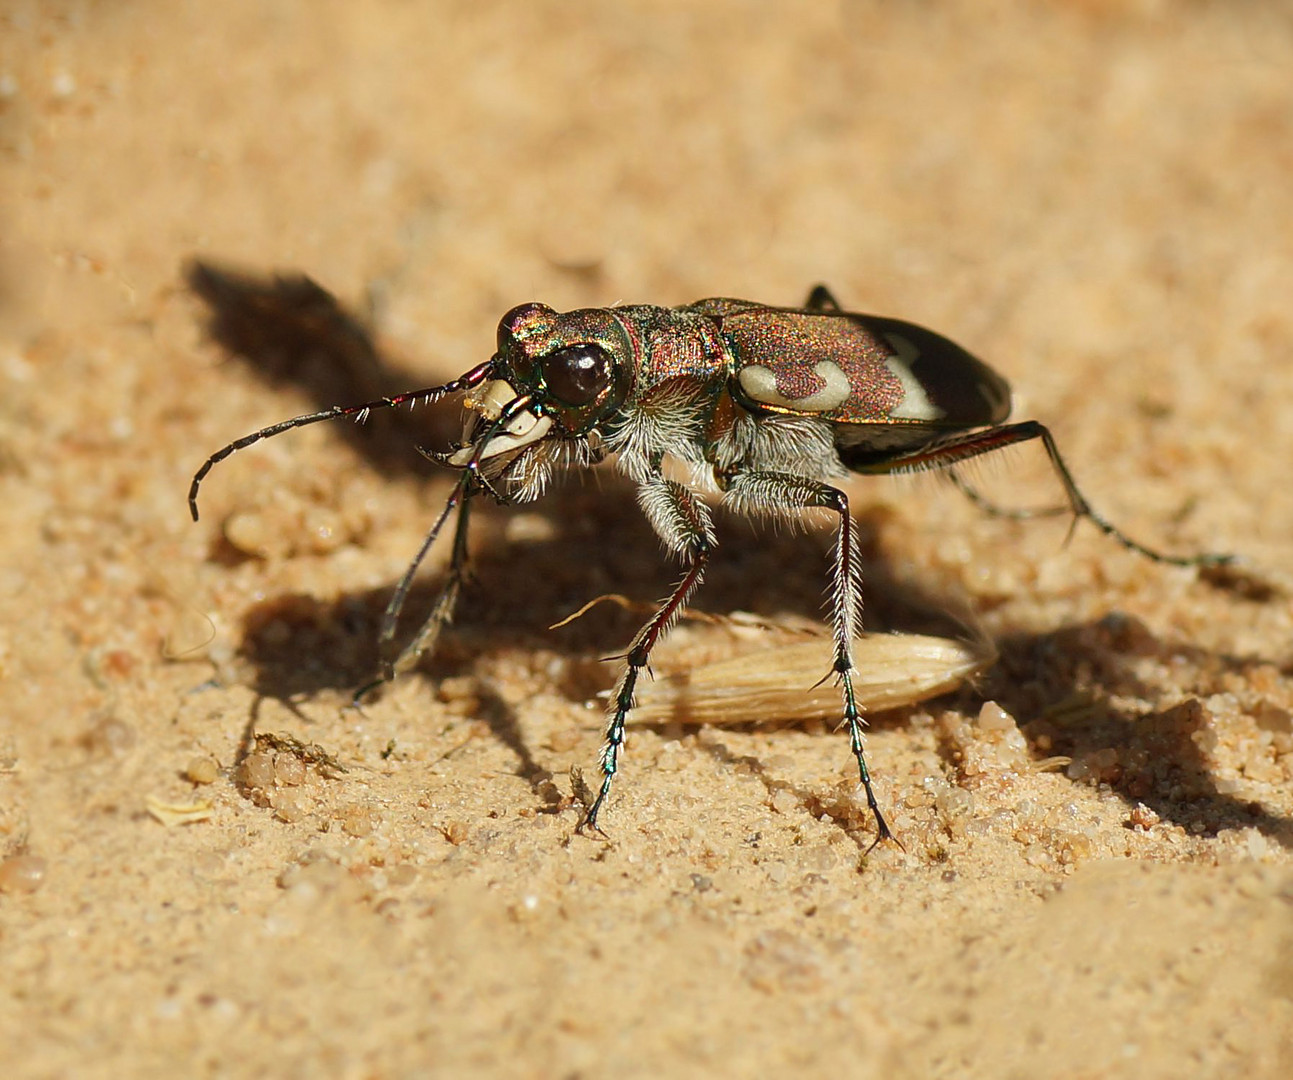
column 683, row 522
column 442, row 611
column 445, row 604
column 763, row 493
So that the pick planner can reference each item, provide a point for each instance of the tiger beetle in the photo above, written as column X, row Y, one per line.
column 765, row 406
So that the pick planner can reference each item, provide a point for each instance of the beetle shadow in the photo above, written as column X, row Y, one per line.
column 1065, row 686
column 290, row 331
column 1062, row 685
column 593, row 540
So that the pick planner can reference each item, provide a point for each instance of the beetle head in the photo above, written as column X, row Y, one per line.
column 555, row 376
column 578, row 365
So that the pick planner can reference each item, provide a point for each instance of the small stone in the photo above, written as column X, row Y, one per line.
column 456, row 832
column 287, row 806
column 22, row 873
column 783, row 801
column 992, row 717
column 201, row 770
column 289, row 769
column 1142, row 817
column 357, row 821
column 258, row 770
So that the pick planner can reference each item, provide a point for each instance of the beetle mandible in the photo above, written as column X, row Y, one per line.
column 766, row 406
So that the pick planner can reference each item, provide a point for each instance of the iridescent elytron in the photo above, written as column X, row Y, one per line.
column 766, row 407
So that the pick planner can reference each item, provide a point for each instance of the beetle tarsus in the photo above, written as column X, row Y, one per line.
column 357, row 698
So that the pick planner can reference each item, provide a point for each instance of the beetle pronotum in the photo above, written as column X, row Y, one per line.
column 764, row 406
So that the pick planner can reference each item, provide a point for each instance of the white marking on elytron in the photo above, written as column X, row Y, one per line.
column 761, row 384
column 915, row 404
column 522, row 430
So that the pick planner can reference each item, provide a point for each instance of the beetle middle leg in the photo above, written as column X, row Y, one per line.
column 682, row 521
column 755, row 493
column 992, row 509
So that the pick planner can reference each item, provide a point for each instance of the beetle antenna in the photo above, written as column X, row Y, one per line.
column 427, row 396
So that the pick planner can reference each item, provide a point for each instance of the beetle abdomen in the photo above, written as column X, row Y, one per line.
column 962, row 391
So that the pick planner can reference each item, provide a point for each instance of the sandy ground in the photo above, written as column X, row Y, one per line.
column 1096, row 878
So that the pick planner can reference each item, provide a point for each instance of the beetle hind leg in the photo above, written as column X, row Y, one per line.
column 847, row 590
column 822, row 300
column 764, row 493
column 944, row 455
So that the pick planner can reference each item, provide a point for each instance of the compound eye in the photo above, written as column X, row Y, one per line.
column 577, row 374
